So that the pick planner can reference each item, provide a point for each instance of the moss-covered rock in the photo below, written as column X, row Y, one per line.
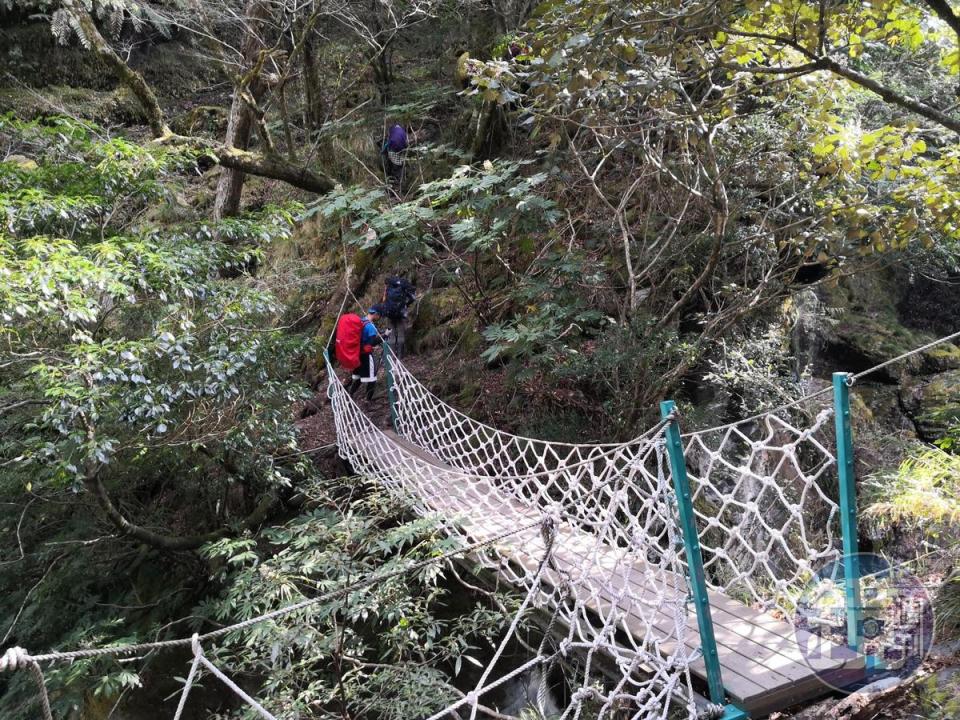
column 859, row 340
column 942, row 358
column 202, row 119
column 101, row 106
column 24, row 163
column 861, row 323
column 439, row 322
column 933, row 403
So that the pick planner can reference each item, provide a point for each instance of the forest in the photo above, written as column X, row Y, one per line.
column 591, row 207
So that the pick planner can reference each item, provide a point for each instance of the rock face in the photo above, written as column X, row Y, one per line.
column 864, row 321
column 933, row 403
column 33, row 67
column 861, row 340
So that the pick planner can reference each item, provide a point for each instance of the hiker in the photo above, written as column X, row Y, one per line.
column 398, row 294
column 394, row 152
column 355, row 340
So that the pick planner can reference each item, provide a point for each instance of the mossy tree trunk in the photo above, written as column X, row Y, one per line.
column 271, row 166
column 92, row 38
column 241, row 120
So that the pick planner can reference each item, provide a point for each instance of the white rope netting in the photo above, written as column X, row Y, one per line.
column 609, row 572
column 585, row 476
column 763, row 496
column 763, row 490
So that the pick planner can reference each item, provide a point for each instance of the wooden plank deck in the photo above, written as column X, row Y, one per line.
column 764, row 668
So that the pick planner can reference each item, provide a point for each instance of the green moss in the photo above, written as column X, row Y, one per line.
column 101, row 106
column 876, row 337
column 943, row 357
column 441, row 321
column 936, row 404
column 860, row 409
column 207, row 119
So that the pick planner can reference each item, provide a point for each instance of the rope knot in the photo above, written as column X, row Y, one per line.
column 195, row 644
column 585, row 693
column 548, row 528
column 672, row 417
column 14, row 659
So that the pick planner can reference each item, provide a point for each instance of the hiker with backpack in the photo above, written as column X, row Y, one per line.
column 398, row 294
column 354, row 341
column 394, row 155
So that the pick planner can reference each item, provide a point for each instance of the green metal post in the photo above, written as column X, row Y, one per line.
column 391, row 392
column 691, row 544
column 848, row 510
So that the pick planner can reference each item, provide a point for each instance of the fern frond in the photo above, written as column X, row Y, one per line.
column 137, row 22
column 78, row 29
column 60, row 26
column 116, row 22
column 159, row 22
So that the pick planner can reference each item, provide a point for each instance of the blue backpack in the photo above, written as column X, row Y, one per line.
column 400, row 293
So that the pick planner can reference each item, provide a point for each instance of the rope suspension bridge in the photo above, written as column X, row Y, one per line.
column 663, row 568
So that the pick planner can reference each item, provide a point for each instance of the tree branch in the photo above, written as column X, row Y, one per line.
column 892, row 96
column 167, row 542
column 270, row 166
column 945, row 12
column 857, row 78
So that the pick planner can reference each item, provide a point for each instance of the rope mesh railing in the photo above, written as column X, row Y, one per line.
column 613, row 570
column 539, row 471
column 760, row 496
column 765, row 517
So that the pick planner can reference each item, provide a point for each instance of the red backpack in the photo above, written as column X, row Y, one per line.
column 349, row 332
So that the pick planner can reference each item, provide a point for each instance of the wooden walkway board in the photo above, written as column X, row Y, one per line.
column 764, row 668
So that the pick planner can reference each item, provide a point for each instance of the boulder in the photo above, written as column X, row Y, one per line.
column 24, row 163
column 857, row 341
column 933, row 403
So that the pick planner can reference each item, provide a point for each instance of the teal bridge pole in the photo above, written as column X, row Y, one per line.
column 698, row 581
column 848, row 510
column 391, row 391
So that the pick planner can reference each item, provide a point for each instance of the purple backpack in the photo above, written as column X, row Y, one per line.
column 397, row 139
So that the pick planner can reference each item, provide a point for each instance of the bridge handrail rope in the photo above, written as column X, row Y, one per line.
column 583, row 584
column 853, row 378
column 611, row 446
column 18, row 658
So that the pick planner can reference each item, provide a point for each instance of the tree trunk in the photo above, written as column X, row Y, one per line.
column 313, row 94
column 132, row 79
column 229, row 157
column 172, row 542
column 241, row 119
